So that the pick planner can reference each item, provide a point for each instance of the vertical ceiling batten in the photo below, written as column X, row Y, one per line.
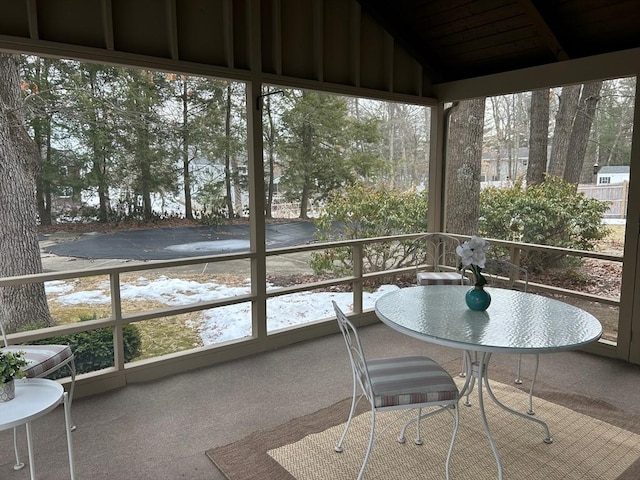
column 227, row 11
column 298, row 38
column 32, row 13
column 276, row 41
column 420, row 79
column 356, row 19
column 388, row 61
column 172, row 28
column 318, row 40
column 373, row 37
column 107, row 24
column 242, row 34
column 407, row 77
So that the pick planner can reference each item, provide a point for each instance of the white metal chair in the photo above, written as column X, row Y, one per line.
column 503, row 274
column 411, row 382
column 42, row 360
column 440, row 266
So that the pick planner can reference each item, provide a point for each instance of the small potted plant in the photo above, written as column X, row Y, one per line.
column 11, row 364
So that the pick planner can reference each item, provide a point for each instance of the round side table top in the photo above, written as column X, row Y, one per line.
column 34, row 397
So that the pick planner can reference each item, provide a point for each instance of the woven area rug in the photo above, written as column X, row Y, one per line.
column 591, row 441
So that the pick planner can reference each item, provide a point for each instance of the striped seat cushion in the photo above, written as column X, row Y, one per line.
column 407, row 380
column 441, row 278
column 41, row 358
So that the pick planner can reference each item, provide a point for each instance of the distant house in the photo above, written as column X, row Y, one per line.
column 613, row 174
column 503, row 165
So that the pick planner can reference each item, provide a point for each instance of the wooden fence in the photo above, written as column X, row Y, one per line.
column 616, row 194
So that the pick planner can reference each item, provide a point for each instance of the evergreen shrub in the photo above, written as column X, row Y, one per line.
column 93, row 349
column 363, row 212
column 552, row 213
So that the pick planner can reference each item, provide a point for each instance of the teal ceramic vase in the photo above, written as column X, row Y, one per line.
column 478, row 299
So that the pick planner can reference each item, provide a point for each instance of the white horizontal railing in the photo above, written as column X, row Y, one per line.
column 122, row 373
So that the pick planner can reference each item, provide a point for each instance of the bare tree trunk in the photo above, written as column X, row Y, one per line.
column 307, row 150
column 186, row 173
column 498, row 147
column 463, row 167
column 19, row 166
column 270, row 148
column 145, row 169
column 392, row 140
column 100, row 165
column 237, row 188
column 227, row 155
column 562, row 132
column 538, row 136
column 581, row 130
column 42, row 138
column 100, row 160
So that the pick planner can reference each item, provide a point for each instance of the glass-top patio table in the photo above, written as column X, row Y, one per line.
column 515, row 322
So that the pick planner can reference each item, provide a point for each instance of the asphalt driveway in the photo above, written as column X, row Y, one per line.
column 179, row 242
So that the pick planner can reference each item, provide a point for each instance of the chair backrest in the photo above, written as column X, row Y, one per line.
column 438, row 250
column 503, row 274
column 356, row 354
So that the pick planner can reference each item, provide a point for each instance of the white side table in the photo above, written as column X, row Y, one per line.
column 35, row 397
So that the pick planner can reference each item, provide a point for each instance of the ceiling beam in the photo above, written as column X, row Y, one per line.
column 32, row 15
column 622, row 63
column 107, row 24
column 172, row 28
column 541, row 25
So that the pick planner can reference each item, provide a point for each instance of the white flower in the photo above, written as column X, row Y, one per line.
column 473, row 255
column 473, row 252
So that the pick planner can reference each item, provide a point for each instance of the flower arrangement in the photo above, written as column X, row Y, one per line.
column 473, row 255
column 11, row 364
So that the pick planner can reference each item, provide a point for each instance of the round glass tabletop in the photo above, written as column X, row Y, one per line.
column 515, row 321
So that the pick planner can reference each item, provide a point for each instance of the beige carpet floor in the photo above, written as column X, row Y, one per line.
column 591, row 441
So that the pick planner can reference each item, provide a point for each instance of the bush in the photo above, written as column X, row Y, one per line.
column 552, row 213
column 93, row 350
column 365, row 212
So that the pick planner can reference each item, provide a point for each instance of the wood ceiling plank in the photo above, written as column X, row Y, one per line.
column 481, row 31
column 457, row 25
column 524, row 38
column 477, row 13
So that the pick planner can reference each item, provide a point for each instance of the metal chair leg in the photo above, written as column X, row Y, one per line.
column 370, row 446
column 453, row 438
column 418, row 440
column 338, row 448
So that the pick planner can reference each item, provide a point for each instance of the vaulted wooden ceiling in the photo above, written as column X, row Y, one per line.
column 406, row 50
column 460, row 39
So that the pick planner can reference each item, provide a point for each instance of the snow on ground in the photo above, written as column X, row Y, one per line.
column 223, row 323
